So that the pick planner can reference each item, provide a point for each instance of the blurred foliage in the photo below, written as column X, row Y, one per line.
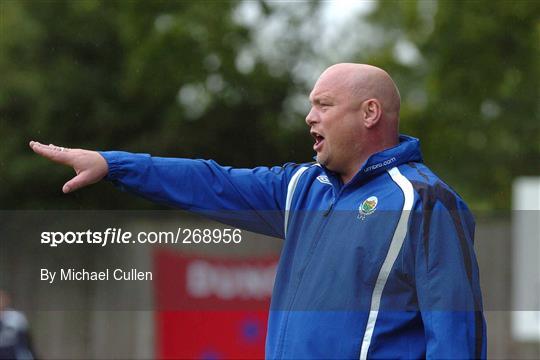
column 473, row 96
column 157, row 77
column 167, row 78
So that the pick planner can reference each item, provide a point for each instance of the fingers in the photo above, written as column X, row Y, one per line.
column 52, row 152
column 90, row 166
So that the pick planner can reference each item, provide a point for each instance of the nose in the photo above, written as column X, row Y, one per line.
column 311, row 117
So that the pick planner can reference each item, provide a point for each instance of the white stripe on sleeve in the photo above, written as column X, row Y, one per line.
column 290, row 193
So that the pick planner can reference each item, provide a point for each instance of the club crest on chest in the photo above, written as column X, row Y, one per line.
column 367, row 207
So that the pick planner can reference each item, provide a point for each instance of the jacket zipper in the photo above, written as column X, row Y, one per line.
column 329, row 210
column 322, row 226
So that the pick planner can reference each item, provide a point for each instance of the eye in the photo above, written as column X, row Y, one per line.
column 324, row 106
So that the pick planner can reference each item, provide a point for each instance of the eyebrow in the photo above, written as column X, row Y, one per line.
column 319, row 98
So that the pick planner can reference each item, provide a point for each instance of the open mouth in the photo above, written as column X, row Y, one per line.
column 319, row 139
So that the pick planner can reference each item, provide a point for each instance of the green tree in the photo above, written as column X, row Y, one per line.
column 169, row 78
column 479, row 73
column 159, row 77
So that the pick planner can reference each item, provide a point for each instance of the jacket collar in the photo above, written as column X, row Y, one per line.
column 408, row 150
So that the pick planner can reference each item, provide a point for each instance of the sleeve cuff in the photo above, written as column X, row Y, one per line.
column 114, row 162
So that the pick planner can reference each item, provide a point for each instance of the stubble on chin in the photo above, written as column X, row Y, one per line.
column 318, row 158
column 321, row 159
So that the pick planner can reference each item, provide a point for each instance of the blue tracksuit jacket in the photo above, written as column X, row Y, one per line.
column 382, row 267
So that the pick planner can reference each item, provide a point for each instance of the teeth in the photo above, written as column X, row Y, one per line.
column 317, row 136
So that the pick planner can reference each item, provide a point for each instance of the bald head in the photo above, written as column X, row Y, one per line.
column 354, row 114
column 367, row 82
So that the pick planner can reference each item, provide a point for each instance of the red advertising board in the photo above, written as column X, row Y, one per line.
column 211, row 308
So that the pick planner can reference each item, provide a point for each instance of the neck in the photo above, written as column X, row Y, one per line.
column 349, row 173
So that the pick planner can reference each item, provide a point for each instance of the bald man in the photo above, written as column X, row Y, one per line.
column 378, row 258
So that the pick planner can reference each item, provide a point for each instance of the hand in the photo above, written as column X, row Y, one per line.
column 89, row 166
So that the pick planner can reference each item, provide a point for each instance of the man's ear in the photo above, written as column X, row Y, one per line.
column 371, row 112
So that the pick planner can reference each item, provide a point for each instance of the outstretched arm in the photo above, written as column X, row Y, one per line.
column 90, row 167
column 252, row 199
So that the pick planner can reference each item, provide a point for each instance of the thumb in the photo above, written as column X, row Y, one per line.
column 75, row 183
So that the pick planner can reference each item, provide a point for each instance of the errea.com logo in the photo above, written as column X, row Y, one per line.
column 378, row 165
